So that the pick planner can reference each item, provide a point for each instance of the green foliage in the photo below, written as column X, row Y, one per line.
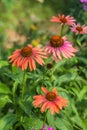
column 3, row 63
column 4, row 89
column 30, row 123
column 7, row 121
column 63, row 124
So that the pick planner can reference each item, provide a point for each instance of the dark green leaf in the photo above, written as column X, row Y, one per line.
column 4, row 88
column 7, row 121
column 30, row 123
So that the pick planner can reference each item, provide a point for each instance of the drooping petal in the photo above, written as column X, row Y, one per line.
column 38, row 100
column 44, row 89
column 54, row 90
column 44, row 106
column 52, row 107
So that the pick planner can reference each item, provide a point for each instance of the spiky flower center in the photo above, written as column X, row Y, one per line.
column 79, row 28
column 51, row 96
column 63, row 20
column 26, row 51
column 56, row 41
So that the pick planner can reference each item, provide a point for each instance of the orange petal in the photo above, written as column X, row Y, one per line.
column 44, row 90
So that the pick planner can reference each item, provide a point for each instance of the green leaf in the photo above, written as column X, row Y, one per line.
column 79, row 42
column 80, row 93
column 79, row 122
column 83, row 92
column 50, row 119
column 7, row 121
column 77, row 119
column 25, row 106
column 3, row 63
column 63, row 124
column 15, row 86
column 8, row 73
column 4, row 88
column 3, row 100
column 65, row 78
column 30, row 123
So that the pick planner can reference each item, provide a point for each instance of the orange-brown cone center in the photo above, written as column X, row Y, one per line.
column 56, row 41
column 26, row 51
column 79, row 28
column 51, row 96
column 63, row 20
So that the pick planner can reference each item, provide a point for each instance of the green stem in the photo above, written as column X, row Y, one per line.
column 45, row 118
column 20, row 128
column 77, row 127
column 23, row 82
column 61, row 32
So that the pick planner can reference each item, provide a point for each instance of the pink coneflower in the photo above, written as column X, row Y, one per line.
column 27, row 56
column 59, row 47
column 78, row 29
column 62, row 19
column 49, row 100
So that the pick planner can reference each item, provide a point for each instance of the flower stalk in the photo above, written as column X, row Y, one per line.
column 62, row 28
column 23, row 84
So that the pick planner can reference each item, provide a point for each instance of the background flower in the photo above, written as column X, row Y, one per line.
column 84, row 4
column 83, row 1
column 62, row 19
column 78, row 29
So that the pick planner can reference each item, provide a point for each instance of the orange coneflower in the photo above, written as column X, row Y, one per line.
column 27, row 56
column 49, row 100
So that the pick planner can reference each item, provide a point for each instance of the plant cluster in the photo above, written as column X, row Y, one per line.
column 45, row 87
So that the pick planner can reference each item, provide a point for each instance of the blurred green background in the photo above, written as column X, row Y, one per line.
column 19, row 19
